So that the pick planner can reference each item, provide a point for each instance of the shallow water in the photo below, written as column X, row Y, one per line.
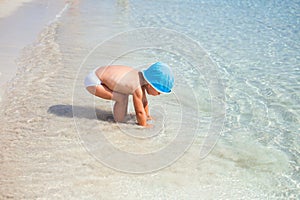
column 245, row 54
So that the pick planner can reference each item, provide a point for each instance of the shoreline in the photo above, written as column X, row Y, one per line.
column 9, row 7
column 21, row 22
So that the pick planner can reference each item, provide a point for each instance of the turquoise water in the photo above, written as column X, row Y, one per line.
column 256, row 44
column 237, row 72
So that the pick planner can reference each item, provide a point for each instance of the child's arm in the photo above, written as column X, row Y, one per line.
column 145, row 104
column 140, row 111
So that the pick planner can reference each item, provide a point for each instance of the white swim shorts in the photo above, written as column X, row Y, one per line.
column 92, row 79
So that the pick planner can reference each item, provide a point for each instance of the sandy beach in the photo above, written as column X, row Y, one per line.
column 9, row 7
column 21, row 22
column 6, row 73
column 48, row 118
column 21, row 25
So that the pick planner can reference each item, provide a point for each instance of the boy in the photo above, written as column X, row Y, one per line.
column 118, row 82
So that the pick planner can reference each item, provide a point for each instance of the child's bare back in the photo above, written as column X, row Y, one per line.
column 118, row 82
column 120, row 79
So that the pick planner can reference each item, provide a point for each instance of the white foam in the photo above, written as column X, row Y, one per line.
column 60, row 13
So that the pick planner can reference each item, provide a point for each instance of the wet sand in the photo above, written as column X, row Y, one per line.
column 20, row 24
column 19, row 140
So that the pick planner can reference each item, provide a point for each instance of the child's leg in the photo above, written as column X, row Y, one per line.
column 120, row 107
column 101, row 91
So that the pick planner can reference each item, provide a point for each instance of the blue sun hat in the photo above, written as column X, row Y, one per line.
column 160, row 77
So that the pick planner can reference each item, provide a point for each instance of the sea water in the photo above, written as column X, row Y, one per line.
column 236, row 67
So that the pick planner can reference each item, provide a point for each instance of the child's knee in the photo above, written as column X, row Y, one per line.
column 120, row 98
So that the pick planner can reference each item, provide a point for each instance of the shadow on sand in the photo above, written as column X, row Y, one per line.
column 80, row 112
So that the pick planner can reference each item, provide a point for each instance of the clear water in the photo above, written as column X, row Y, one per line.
column 255, row 50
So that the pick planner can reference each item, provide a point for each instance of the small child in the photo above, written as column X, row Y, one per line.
column 118, row 82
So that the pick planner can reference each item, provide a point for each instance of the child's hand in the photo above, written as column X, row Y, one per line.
column 149, row 126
